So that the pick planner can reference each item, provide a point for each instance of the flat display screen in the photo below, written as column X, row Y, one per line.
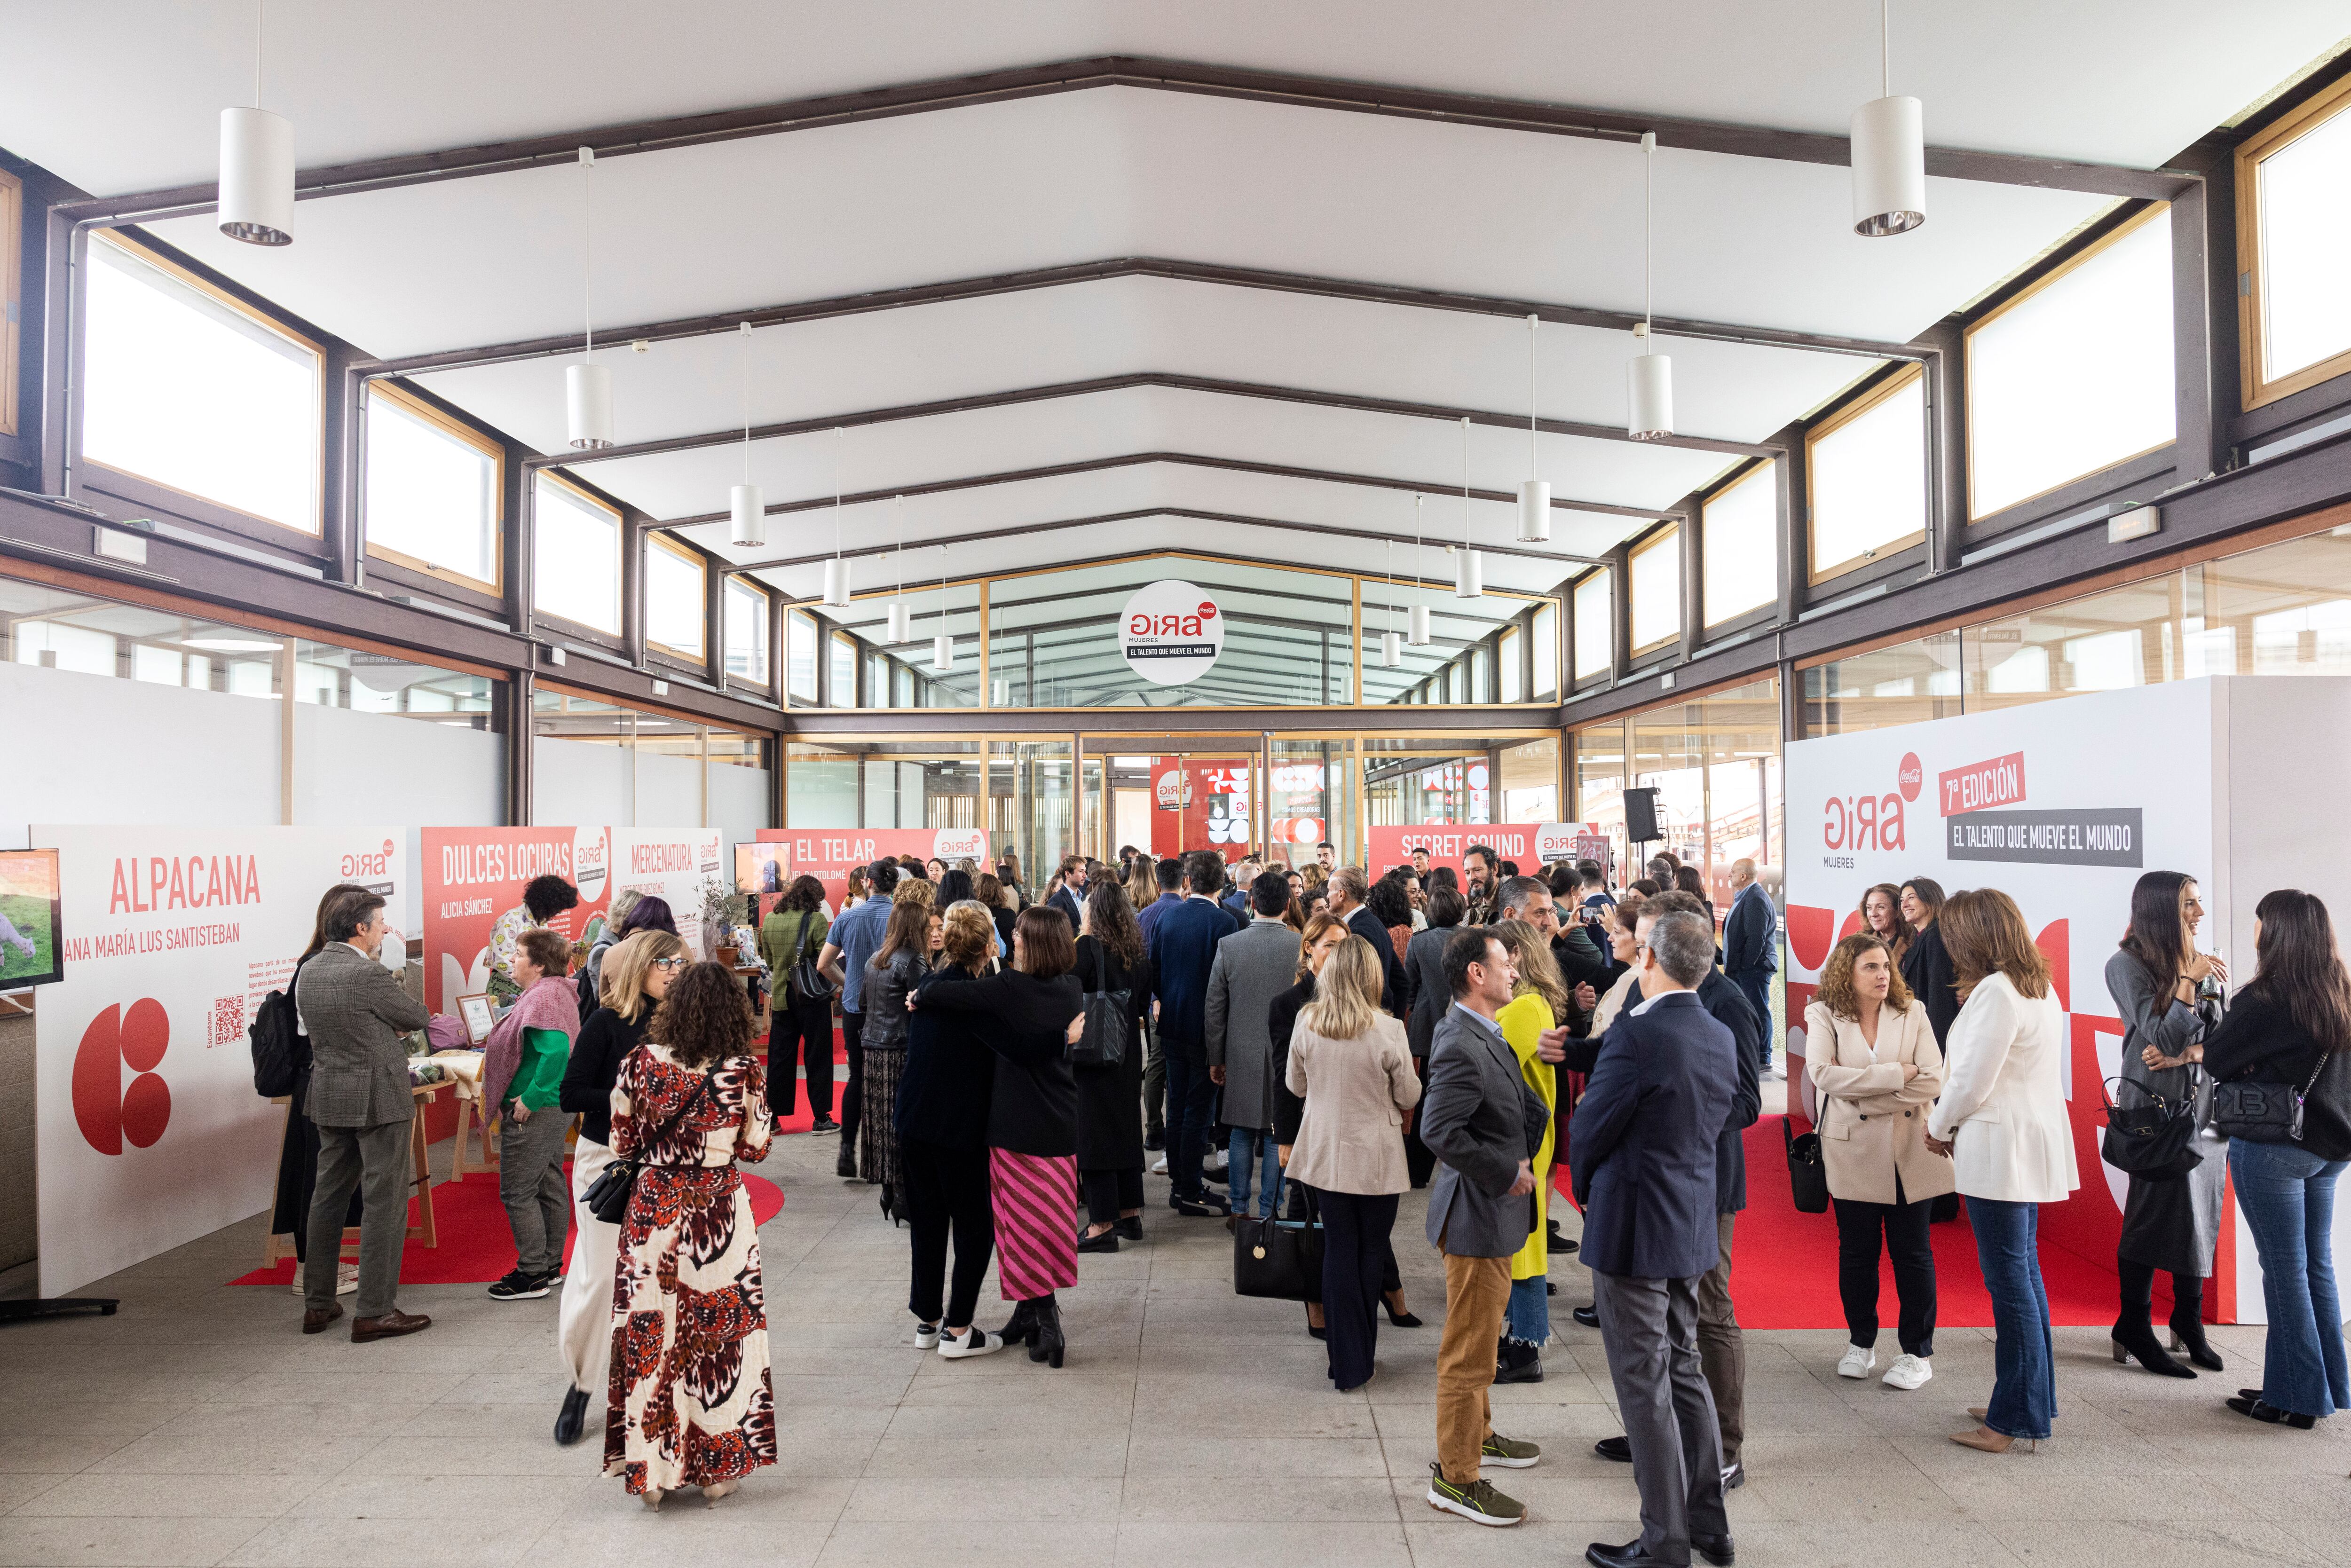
column 32, row 947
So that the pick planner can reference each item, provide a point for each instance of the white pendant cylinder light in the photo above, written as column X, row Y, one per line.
column 1416, row 624
column 1469, row 571
column 1391, row 644
column 1650, row 376
column 836, row 570
column 747, row 508
column 256, row 165
column 901, row 614
column 587, row 386
column 1534, row 495
column 902, row 623
column 1889, row 154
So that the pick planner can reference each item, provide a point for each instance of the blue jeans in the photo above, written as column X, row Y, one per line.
column 1256, row 1167
column 1190, row 1098
column 1528, row 1317
column 2288, row 1197
column 1755, row 984
column 2024, row 1377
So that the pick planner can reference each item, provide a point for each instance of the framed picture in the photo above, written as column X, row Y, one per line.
column 475, row 1010
column 30, row 941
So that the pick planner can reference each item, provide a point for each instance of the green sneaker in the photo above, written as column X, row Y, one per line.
column 1478, row 1502
column 1509, row 1453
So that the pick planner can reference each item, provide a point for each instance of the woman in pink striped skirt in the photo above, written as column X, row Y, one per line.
column 1028, row 1015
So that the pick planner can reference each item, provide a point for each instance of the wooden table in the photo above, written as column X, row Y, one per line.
column 420, row 1176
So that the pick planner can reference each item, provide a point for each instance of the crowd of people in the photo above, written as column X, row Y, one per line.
column 1305, row 1044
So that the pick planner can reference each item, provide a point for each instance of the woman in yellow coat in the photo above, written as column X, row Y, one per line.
column 1541, row 1003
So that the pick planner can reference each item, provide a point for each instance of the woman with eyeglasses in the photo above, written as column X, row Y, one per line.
column 635, row 978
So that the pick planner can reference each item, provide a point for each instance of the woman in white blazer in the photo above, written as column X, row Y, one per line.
column 1873, row 1063
column 2002, row 1121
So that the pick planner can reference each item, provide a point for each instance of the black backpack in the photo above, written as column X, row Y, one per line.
column 280, row 1054
column 586, row 985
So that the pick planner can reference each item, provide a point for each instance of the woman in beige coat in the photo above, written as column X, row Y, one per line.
column 1352, row 1063
column 1875, row 1070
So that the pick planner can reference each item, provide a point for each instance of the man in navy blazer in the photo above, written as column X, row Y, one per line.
column 1751, row 952
column 1183, row 947
column 1640, row 1154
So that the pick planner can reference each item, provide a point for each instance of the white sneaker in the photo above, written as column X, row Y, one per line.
column 1907, row 1371
column 1856, row 1362
column 976, row 1341
column 1159, row 1167
column 926, row 1336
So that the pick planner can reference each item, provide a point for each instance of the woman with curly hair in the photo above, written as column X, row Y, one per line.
column 690, row 1401
column 1875, row 1070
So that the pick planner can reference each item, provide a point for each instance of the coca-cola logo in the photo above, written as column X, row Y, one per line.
column 109, row 1112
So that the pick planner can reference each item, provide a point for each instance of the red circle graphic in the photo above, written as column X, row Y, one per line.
column 146, row 1107
column 146, row 1034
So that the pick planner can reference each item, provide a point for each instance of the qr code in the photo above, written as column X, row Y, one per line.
column 227, row 1021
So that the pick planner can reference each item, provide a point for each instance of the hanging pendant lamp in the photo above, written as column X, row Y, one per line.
column 942, row 645
column 1391, row 644
column 257, row 166
column 1889, row 154
column 747, row 508
column 1534, row 495
column 836, row 570
column 1469, row 571
column 1418, row 626
column 588, row 386
column 901, row 614
column 1648, row 375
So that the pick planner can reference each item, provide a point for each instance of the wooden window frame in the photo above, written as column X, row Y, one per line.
column 1765, row 468
column 2073, row 264
column 701, row 565
column 856, row 671
column 619, row 543
column 1575, row 677
column 2258, row 389
column 815, row 657
column 408, row 402
column 317, row 530
column 1668, row 538
column 1510, row 665
column 1535, row 690
column 11, row 288
column 750, row 585
column 1884, row 392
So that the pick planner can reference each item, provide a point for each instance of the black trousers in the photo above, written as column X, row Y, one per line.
column 1109, row 1194
column 796, row 1030
column 1419, row 1163
column 1356, row 1255
column 1904, row 1226
column 947, row 1197
column 852, row 1092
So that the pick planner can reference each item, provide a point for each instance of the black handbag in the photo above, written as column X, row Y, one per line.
column 607, row 1197
column 1808, row 1179
column 2262, row 1113
column 1109, row 1023
column 2154, row 1142
column 806, row 978
column 1279, row 1260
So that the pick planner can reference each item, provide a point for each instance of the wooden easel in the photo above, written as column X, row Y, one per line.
column 427, row 1230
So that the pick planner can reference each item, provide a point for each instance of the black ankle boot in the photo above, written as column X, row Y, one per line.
column 1047, row 1343
column 2137, row 1340
column 2190, row 1331
column 1021, row 1327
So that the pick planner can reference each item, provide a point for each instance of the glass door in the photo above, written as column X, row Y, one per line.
column 1174, row 794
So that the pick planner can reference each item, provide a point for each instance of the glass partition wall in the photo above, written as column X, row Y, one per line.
column 1714, row 760
column 1283, row 637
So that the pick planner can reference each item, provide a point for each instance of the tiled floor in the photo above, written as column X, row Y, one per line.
column 1190, row 1426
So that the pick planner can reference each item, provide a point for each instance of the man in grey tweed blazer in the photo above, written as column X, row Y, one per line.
column 356, row 1011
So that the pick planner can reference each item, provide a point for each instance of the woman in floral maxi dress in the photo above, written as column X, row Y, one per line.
column 690, row 1403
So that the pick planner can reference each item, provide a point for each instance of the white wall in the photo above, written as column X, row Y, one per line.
column 669, row 790
column 96, row 749
column 580, row 782
column 742, row 801
column 354, row 767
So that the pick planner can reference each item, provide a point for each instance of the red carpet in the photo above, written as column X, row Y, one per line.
column 476, row 1246
column 1783, row 1274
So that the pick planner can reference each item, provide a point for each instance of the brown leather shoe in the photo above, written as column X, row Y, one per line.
column 315, row 1318
column 391, row 1325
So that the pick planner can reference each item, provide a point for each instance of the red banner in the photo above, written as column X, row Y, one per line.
column 1999, row 782
column 1199, row 805
column 1447, row 843
column 827, row 853
column 473, row 875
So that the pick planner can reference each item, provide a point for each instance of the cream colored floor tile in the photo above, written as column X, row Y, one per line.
column 94, row 1496
column 1259, row 1544
column 1157, row 1498
column 983, row 1498
column 124, row 1543
column 1026, row 1543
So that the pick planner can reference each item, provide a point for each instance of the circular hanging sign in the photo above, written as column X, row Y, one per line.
column 1170, row 632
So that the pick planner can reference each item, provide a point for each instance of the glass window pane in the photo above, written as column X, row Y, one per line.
column 801, row 628
column 2123, row 637
column 1868, row 481
column 842, row 677
column 1514, row 683
column 1546, row 654
column 1906, row 683
column 674, row 584
column 1595, row 614
column 1657, row 591
column 576, row 557
column 1739, row 562
column 2305, row 245
column 184, row 389
column 431, row 496
column 2074, row 377
column 2287, row 607
column 746, row 632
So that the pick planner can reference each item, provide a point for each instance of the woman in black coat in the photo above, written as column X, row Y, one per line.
column 941, row 1124
column 1109, row 1098
column 1927, row 966
column 1027, row 1015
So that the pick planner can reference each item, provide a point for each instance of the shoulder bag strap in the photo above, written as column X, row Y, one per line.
column 691, row 1101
